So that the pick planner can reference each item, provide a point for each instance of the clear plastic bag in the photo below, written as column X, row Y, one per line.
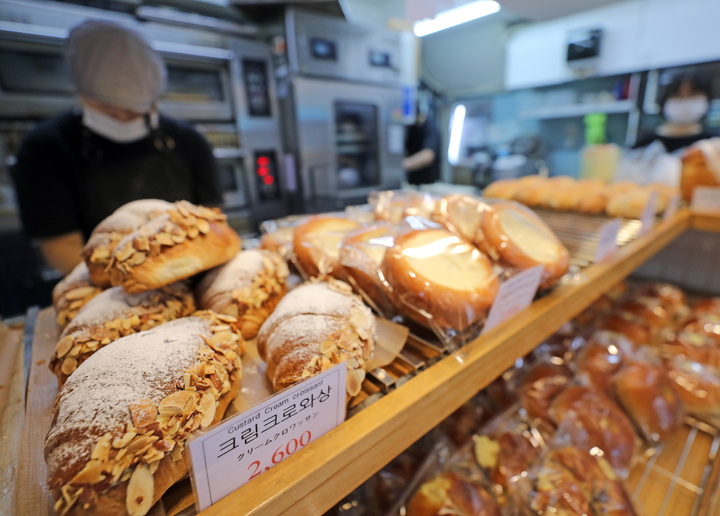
column 462, row 424
column 394, row 205
column 316, row 245
column 699, row 387
column 545, row 380
column 605, row 354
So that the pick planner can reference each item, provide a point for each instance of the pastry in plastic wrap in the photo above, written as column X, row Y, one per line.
column 699, row 387
column 448, row 493
column 551, row 489
column 114, row 314
column 314, row 327
column 671, row 298
column 394, row 205
column 118, row 430
column 638, row 332
column 696, row 171
column 630, row 204
column 460, row 214
column 517, row 236
column 361, row 255
column 277, row 236
column 539, row 387
column 183, row 241
column 316, row 243
column 72, row 293
column 127, row 218
column 603, row 356
column 598, row 422
column 694, row 343
column 709, row 306
column 649, row 398
column 439, row 279
column 248, row 287
column 465, row 421
column 649, row 311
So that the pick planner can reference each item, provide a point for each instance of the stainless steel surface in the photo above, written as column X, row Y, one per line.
column 31, row 317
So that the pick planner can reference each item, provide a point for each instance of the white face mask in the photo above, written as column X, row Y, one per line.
column 686, row 110
column 113, row 129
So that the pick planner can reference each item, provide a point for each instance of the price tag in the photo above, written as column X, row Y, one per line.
column 672, row 207
column 647, row 217
column 706, row 198
column 608, row 240
column 239, row 449
column 514, row 295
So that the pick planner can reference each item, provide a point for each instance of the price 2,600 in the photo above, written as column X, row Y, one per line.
column 291, row 447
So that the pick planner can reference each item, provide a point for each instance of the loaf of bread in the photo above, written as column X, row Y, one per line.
column 126, row 219
column 502, row 189
column 248, row 287
column 648, row 397
column 117, row 438
column 439, row 279
column 518, row 237
column 72, row 293
column 314, row 327
column 115, row 314
column 449, row 493
column 185, row 240
column 316, row 243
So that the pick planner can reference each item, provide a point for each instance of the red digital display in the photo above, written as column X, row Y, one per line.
column 268, row 180
column 262, row 171
column 263, row 161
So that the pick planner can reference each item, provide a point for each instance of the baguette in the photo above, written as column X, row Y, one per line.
column 185, row 240
column 112, row 315
column 72, row 293
column 117, row 438
column 248, row 287
column 106, row 235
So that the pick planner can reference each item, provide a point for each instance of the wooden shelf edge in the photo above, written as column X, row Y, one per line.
column 705, row 222
column 321, row 474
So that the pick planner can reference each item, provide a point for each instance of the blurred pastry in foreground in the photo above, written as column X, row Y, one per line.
column 448, row 493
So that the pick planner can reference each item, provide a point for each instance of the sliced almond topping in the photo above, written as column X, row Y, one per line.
column 204, row 226
column 101, row 451
column 354, row 381
column 190, row 405
column 140, row 491
column 75, row 351
column 124, row 440
column 164, row 239
column 177, row 400
column 180, row 238
column 137, row 258
column 305, row 373
column 141, row 243
column 80, row 293
column 90, row 474
column 124, row 253
column 140, row 443
column 193, row 232
column 68, row 366
column 64, row 345
column 143, row 412
column 207, row 410
column 177, row 453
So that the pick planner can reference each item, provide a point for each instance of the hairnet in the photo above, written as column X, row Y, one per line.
column 112, row 64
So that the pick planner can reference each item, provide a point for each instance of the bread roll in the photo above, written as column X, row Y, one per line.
column 394, row 205
column 117, row 438
column 539, row 387
column 631, row 204
column 519, row 237
column 361, row 255
column 710, row 306
column 72, row 293
column 106, row 235
column 695, row 172
column 460, row 214
column 592, row 197
column 694, row 343
column 621, row 187
column 648, row 397
column 448, row 493
column 604, row 355
column 187, row 239
column 649, row 311
column 314, row 327
column 534, row 191
column 316, row 244
column 555, row 491
column 440, row 279
column 502, row 189
column 699, row 387
column 112, row 315
column 626, row 324
column 596, row 422
column 248, row 287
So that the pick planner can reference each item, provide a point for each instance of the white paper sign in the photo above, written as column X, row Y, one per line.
column 514, row 295
column 647, row 217
column 608, row 240
column 706, row 199
column 237, row 450
column 672, row 207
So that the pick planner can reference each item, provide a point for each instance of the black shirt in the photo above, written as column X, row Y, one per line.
column 671, row 143
column 419, row 137
column 68, row 178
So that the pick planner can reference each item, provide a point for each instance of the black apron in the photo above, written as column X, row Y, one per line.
column 106, row 183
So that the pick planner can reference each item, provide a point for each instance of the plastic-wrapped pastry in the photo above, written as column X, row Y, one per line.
column 636, row 331
column 119, row 426
column 464, row 422
column 114, row 314
column 314, row 327
column 449, row 493
column 605, row 355
column 539, row 387
column 710, row 306
column 517, row 236
column 649, row 311
column 630, row 204
column 316, row 244
column 361, row 255
column 696, row 170
column 648, row 397
column 394, row 205
column 248, row 287
column 460, row 214
column 551, row 489
column 698, row 385
column 438, row 278
column 72, row 293
column 185, row 240
column 694, row 343
column 127, row 218
column 596, row 422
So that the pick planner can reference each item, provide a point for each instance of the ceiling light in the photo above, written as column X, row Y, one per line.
column 456, row 16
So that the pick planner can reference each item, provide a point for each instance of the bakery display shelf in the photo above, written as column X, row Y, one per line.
column 682, row 478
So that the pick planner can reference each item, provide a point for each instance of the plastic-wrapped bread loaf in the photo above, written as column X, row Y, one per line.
column 248, row 287
column 117, row 438
column 316, row 243
column 185, row 240
column 72, row 293
column 450, row 494
column 114, row 314
column 314, row 327
column 106, row 235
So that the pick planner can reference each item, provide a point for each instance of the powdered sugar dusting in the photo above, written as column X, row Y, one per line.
column 132, row 215
column 106, row 306
column 238, row 273
column 96, row 397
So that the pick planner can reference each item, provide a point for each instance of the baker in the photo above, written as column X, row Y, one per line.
column 74, row 170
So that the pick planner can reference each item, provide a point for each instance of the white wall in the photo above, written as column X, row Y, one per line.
column 638, row 35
